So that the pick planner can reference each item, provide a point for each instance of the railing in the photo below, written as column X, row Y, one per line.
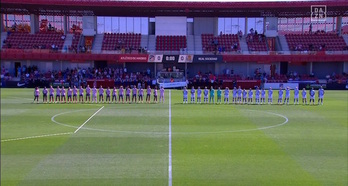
column 106, row 52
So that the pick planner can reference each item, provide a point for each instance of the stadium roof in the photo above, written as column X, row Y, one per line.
column 193, row 8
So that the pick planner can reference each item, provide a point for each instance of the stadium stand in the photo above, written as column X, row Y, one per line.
column 170, row 43
column 221, row 43
column 79, row 76
column 208, row 42
column 41, row 40
column 117, row 41
column 315, row 42
column 256, row 42
column 75, row 41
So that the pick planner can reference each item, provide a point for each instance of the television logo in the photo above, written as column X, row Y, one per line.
column 318, row 13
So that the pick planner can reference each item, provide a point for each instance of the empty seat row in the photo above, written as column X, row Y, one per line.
column 171, row 42
column 112, row 41
column 29, row 41
column 303, row 41
column 225, row 42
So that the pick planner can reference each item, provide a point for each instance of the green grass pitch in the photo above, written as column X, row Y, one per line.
column 128, row 144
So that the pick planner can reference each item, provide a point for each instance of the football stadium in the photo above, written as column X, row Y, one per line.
column 174, row 92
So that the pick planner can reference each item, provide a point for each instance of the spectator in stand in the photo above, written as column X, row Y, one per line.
column 252, row 32
column 14, row 27
column 310, row 47
column 338, row 33
column 235, row 46
column 251, row 37
column 322, row 47
column 240, row 34
column 83, row 49
column 215, row 41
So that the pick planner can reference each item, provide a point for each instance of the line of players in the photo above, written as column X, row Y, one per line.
column 242, row 96
column 75, row 95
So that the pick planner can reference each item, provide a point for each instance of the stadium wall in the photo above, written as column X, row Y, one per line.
column 140, row 67
column 193, row 69
column 244, row 68
column 299, row 68
column 34, row 23
column 45, row 66
column 2, row 26
column 345, row 67
column 320, row 70
column 205, row 25
column 171, row 26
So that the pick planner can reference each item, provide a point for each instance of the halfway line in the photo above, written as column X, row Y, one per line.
column 88, row 120
column 33, row 137
column 170, row 143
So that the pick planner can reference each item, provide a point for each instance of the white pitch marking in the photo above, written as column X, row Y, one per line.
column 243, row 130
column 53, row 117
column 170, row 143
column 88, row 119
column 33, row 137
column 182, row 133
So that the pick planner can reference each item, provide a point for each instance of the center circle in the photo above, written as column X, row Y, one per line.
column 246, row 113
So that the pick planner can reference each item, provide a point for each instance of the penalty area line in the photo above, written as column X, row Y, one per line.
column 33, row 137
column 88, row 119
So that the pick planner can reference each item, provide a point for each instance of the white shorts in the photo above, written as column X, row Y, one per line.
column 312, row 97
column 321, row 97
